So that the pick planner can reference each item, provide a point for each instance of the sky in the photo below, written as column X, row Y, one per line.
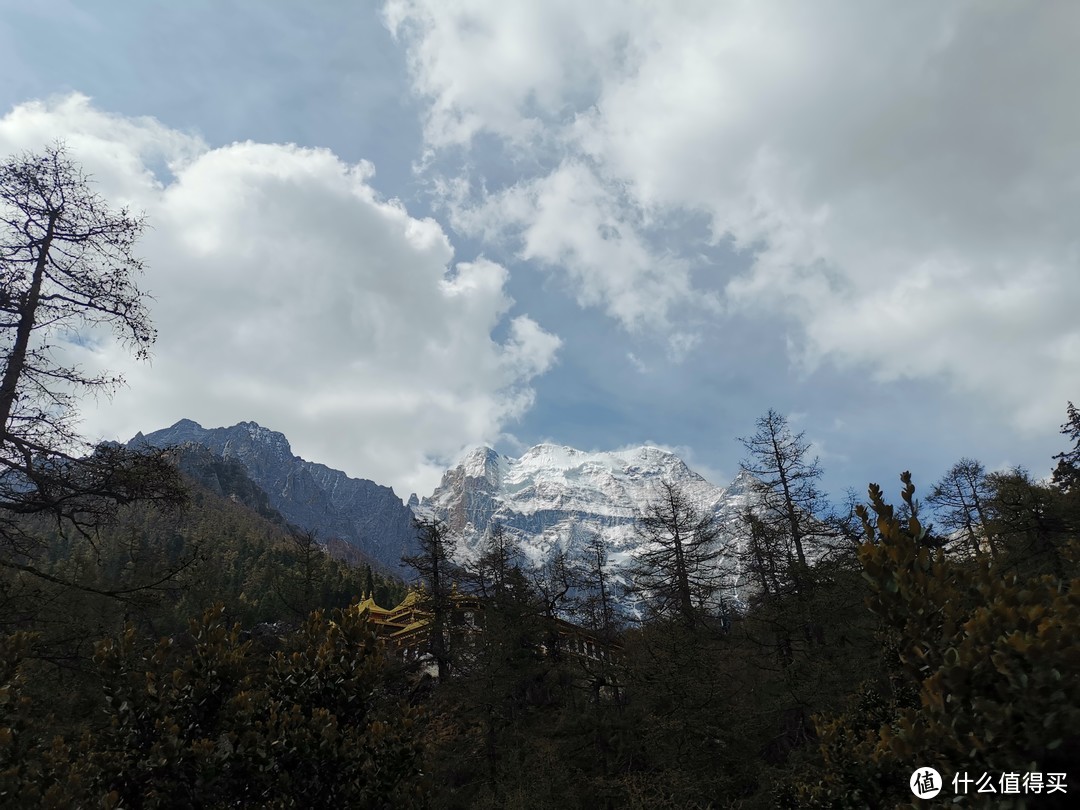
column 396, row 230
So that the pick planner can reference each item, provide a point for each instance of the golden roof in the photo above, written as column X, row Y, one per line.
column 369, row 605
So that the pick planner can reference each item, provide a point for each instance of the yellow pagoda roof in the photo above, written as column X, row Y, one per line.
column 413, row 597
column 370, row 606
column 409, row 628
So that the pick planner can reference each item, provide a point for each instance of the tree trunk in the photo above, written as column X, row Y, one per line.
column 9, row 387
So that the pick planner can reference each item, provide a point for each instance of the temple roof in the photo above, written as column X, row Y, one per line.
column 370, row 606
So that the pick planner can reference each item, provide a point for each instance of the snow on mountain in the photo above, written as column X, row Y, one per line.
column 552, row 497
column 558, row 497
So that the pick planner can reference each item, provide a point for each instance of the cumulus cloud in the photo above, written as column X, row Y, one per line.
column 289, row 292
column 571, row 219
column 903, row 178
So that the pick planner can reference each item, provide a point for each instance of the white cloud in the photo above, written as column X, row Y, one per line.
column 904, row 175
column 571, row 219
column 501, row 67
column 290, row 293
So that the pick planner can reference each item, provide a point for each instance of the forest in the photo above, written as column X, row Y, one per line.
column 169, row 641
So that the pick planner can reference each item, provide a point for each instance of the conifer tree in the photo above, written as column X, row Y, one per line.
column 789, row 500
column 435, row 566
column 1029, row 519
column 489, row 573
column 599, row 605
column 978, row 657
column 1067, row 473
column 677, row 574
column 369, row 583
column 960, row 502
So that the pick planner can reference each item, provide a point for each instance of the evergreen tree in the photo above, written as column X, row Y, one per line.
column 369, row 583
column 1067, row 473
column 216, row 721
column 977, row 657
column 296, row 580
column 1029, row 519
column 436, row 569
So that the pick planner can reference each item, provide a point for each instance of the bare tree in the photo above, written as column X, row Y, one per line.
column 599, row 604
column 787, row 482
column 959, row 501
column 67, row 270
column 489, row 573
column 554, row 582
column 763, row 555
column 677, row 573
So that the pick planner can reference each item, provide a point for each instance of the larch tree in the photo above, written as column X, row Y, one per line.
column 599, row 604
column 489, row 573
column 763, row 555
column 959, row 501
column 67, row 272
column 678, row 574
column 789, row 500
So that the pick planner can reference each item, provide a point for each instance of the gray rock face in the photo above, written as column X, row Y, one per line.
column 312, row 496
column 226, row 478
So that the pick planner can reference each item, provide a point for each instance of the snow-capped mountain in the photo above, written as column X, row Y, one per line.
column 551, row 497
column 555, row 496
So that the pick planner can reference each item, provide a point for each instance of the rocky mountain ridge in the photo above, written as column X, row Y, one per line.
column 551, row 497
column 312, row 496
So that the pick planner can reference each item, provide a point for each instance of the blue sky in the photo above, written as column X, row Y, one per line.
column 395, row 230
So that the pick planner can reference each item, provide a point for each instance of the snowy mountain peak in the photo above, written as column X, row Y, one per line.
column 557, row 496
column 551, row 460
column 482, row 462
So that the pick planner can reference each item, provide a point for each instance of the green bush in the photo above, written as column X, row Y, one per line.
column 211, row 720
column 984, row 671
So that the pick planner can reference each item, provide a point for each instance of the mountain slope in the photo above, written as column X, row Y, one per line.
column 558, row 497
column 313, row 496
